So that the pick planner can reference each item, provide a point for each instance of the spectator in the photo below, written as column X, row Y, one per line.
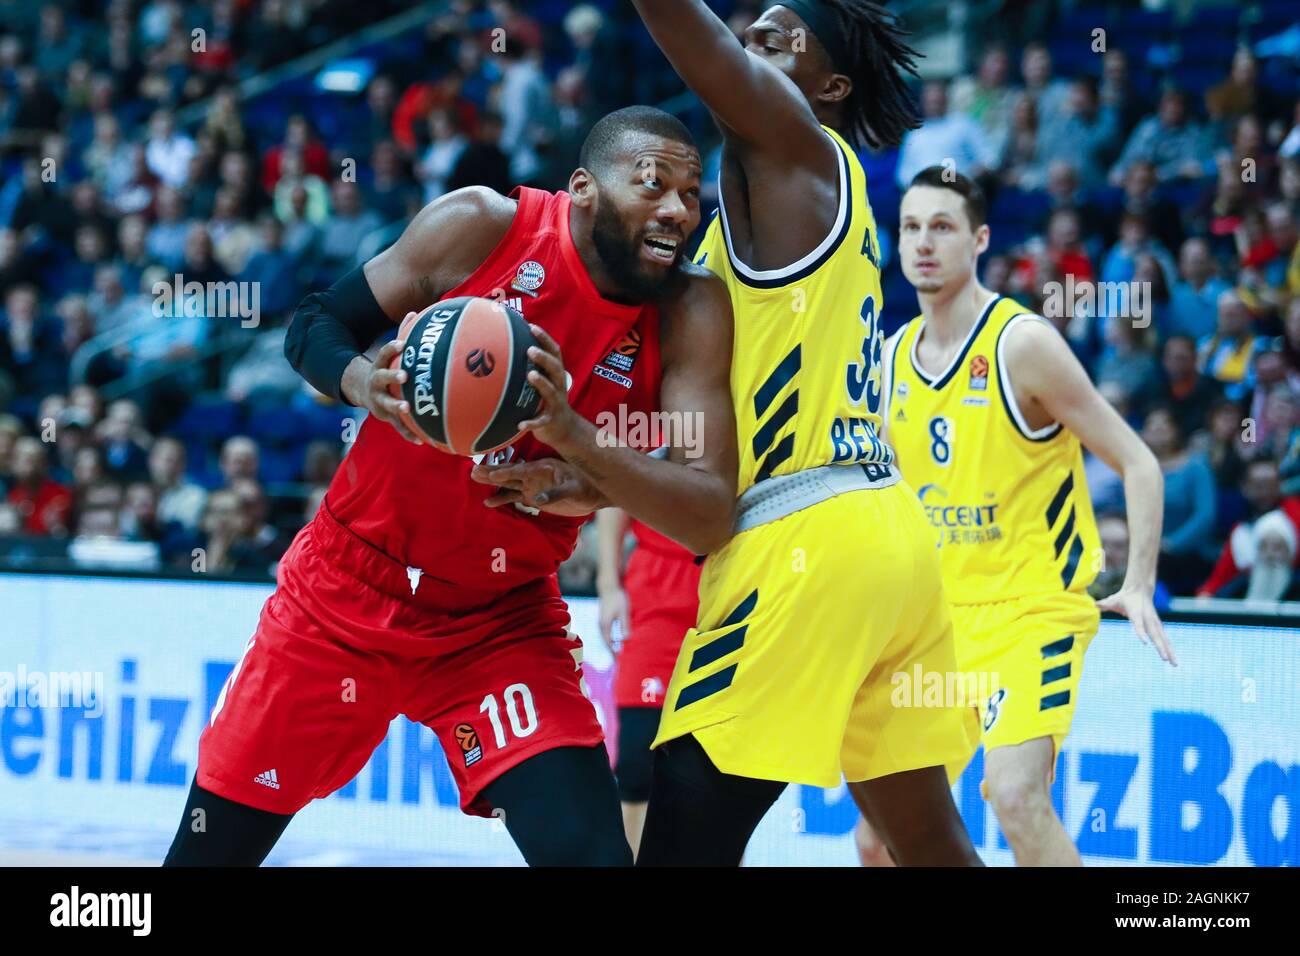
column 273, row 270
column 166, row 238
column 72, row 435
column 140, row 521
column 1195, row 294
column 300, row 141
column 1049, row 95
column 1129, row 359
column 945, row 136
column 1291, row 340
column 483, row 162
column 375, row 125
column 260, row 545
column 261, row 374
column 233, row 239
column 1187, row 547
column 1142, row 197
column 526, row 108
column 422, row 99
column 390, row 191
column 1174, row 144
column 1182, row 387
column 294, row 179
column 320, row 462
column 180, row 500
column 1272, row 575
column 1112, row 529
column 239, row 459
column 42, row 505
column 1116, row 90
column 97, row 493
column 1228, row 355
column 122, row 437
column 108, row 159
column 1278, row 422
column 988, row 98
column 1085, row 133
column 1222, row 442
column 1022, row 164
column 11, row 429
column 446, row 143
column 301, row 233
column 1262, row 489
column 223, row 121
column 167, row 151
column 31, row 353
column 1241, row 93
column 223, row 524
column 346, row 228
column 132, row 254
column 1134, row 242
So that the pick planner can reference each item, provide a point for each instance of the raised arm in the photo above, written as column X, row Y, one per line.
column 1050, row 381
column 757, row 104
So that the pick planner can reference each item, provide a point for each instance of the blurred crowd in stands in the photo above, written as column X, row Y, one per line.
column 147, row 140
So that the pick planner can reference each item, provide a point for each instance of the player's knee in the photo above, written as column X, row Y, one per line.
column 633, row 774
column 871, row 849
column 1017, row 796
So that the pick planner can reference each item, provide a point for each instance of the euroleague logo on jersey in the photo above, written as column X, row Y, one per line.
column 979, row 373
column 480, row 363
column 467, row 739
column 624, row 355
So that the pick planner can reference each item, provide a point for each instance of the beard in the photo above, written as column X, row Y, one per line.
column 1268, row 581
column 620, row 253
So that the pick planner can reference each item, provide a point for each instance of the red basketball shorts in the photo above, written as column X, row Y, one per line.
column 663, row 599
column 350, row 639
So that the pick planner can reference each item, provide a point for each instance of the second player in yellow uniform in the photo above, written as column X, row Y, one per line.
column 1008, row 508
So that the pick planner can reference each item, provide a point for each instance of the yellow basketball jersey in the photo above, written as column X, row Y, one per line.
column 806, row 374
column 1008, row 504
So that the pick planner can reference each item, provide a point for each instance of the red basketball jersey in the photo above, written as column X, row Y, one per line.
column 418, row 504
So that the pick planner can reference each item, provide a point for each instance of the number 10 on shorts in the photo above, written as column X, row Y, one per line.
column 519, row 709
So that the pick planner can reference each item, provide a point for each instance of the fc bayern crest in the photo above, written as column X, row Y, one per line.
column 529, row 277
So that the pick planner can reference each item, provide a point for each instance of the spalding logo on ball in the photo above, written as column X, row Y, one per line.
column 466, row 364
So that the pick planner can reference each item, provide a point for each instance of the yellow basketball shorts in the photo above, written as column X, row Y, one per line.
column 1027, row 653
column 805, row 625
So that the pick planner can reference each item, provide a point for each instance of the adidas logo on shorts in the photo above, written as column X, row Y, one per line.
column 267, row 779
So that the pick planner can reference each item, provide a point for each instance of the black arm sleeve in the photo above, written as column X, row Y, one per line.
column 331, row 328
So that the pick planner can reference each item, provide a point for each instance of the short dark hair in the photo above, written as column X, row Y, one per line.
column 942, row 177
column 601, row 143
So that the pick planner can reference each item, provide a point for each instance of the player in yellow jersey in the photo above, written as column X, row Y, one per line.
column 830, row 586
column 987, row 408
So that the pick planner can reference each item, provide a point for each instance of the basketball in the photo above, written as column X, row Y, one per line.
column 466, row 361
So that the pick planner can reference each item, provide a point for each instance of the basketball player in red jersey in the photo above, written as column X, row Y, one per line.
column 406, row 595
column 655, row 600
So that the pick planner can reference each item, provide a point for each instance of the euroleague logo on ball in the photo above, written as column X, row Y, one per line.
column 480, row 363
